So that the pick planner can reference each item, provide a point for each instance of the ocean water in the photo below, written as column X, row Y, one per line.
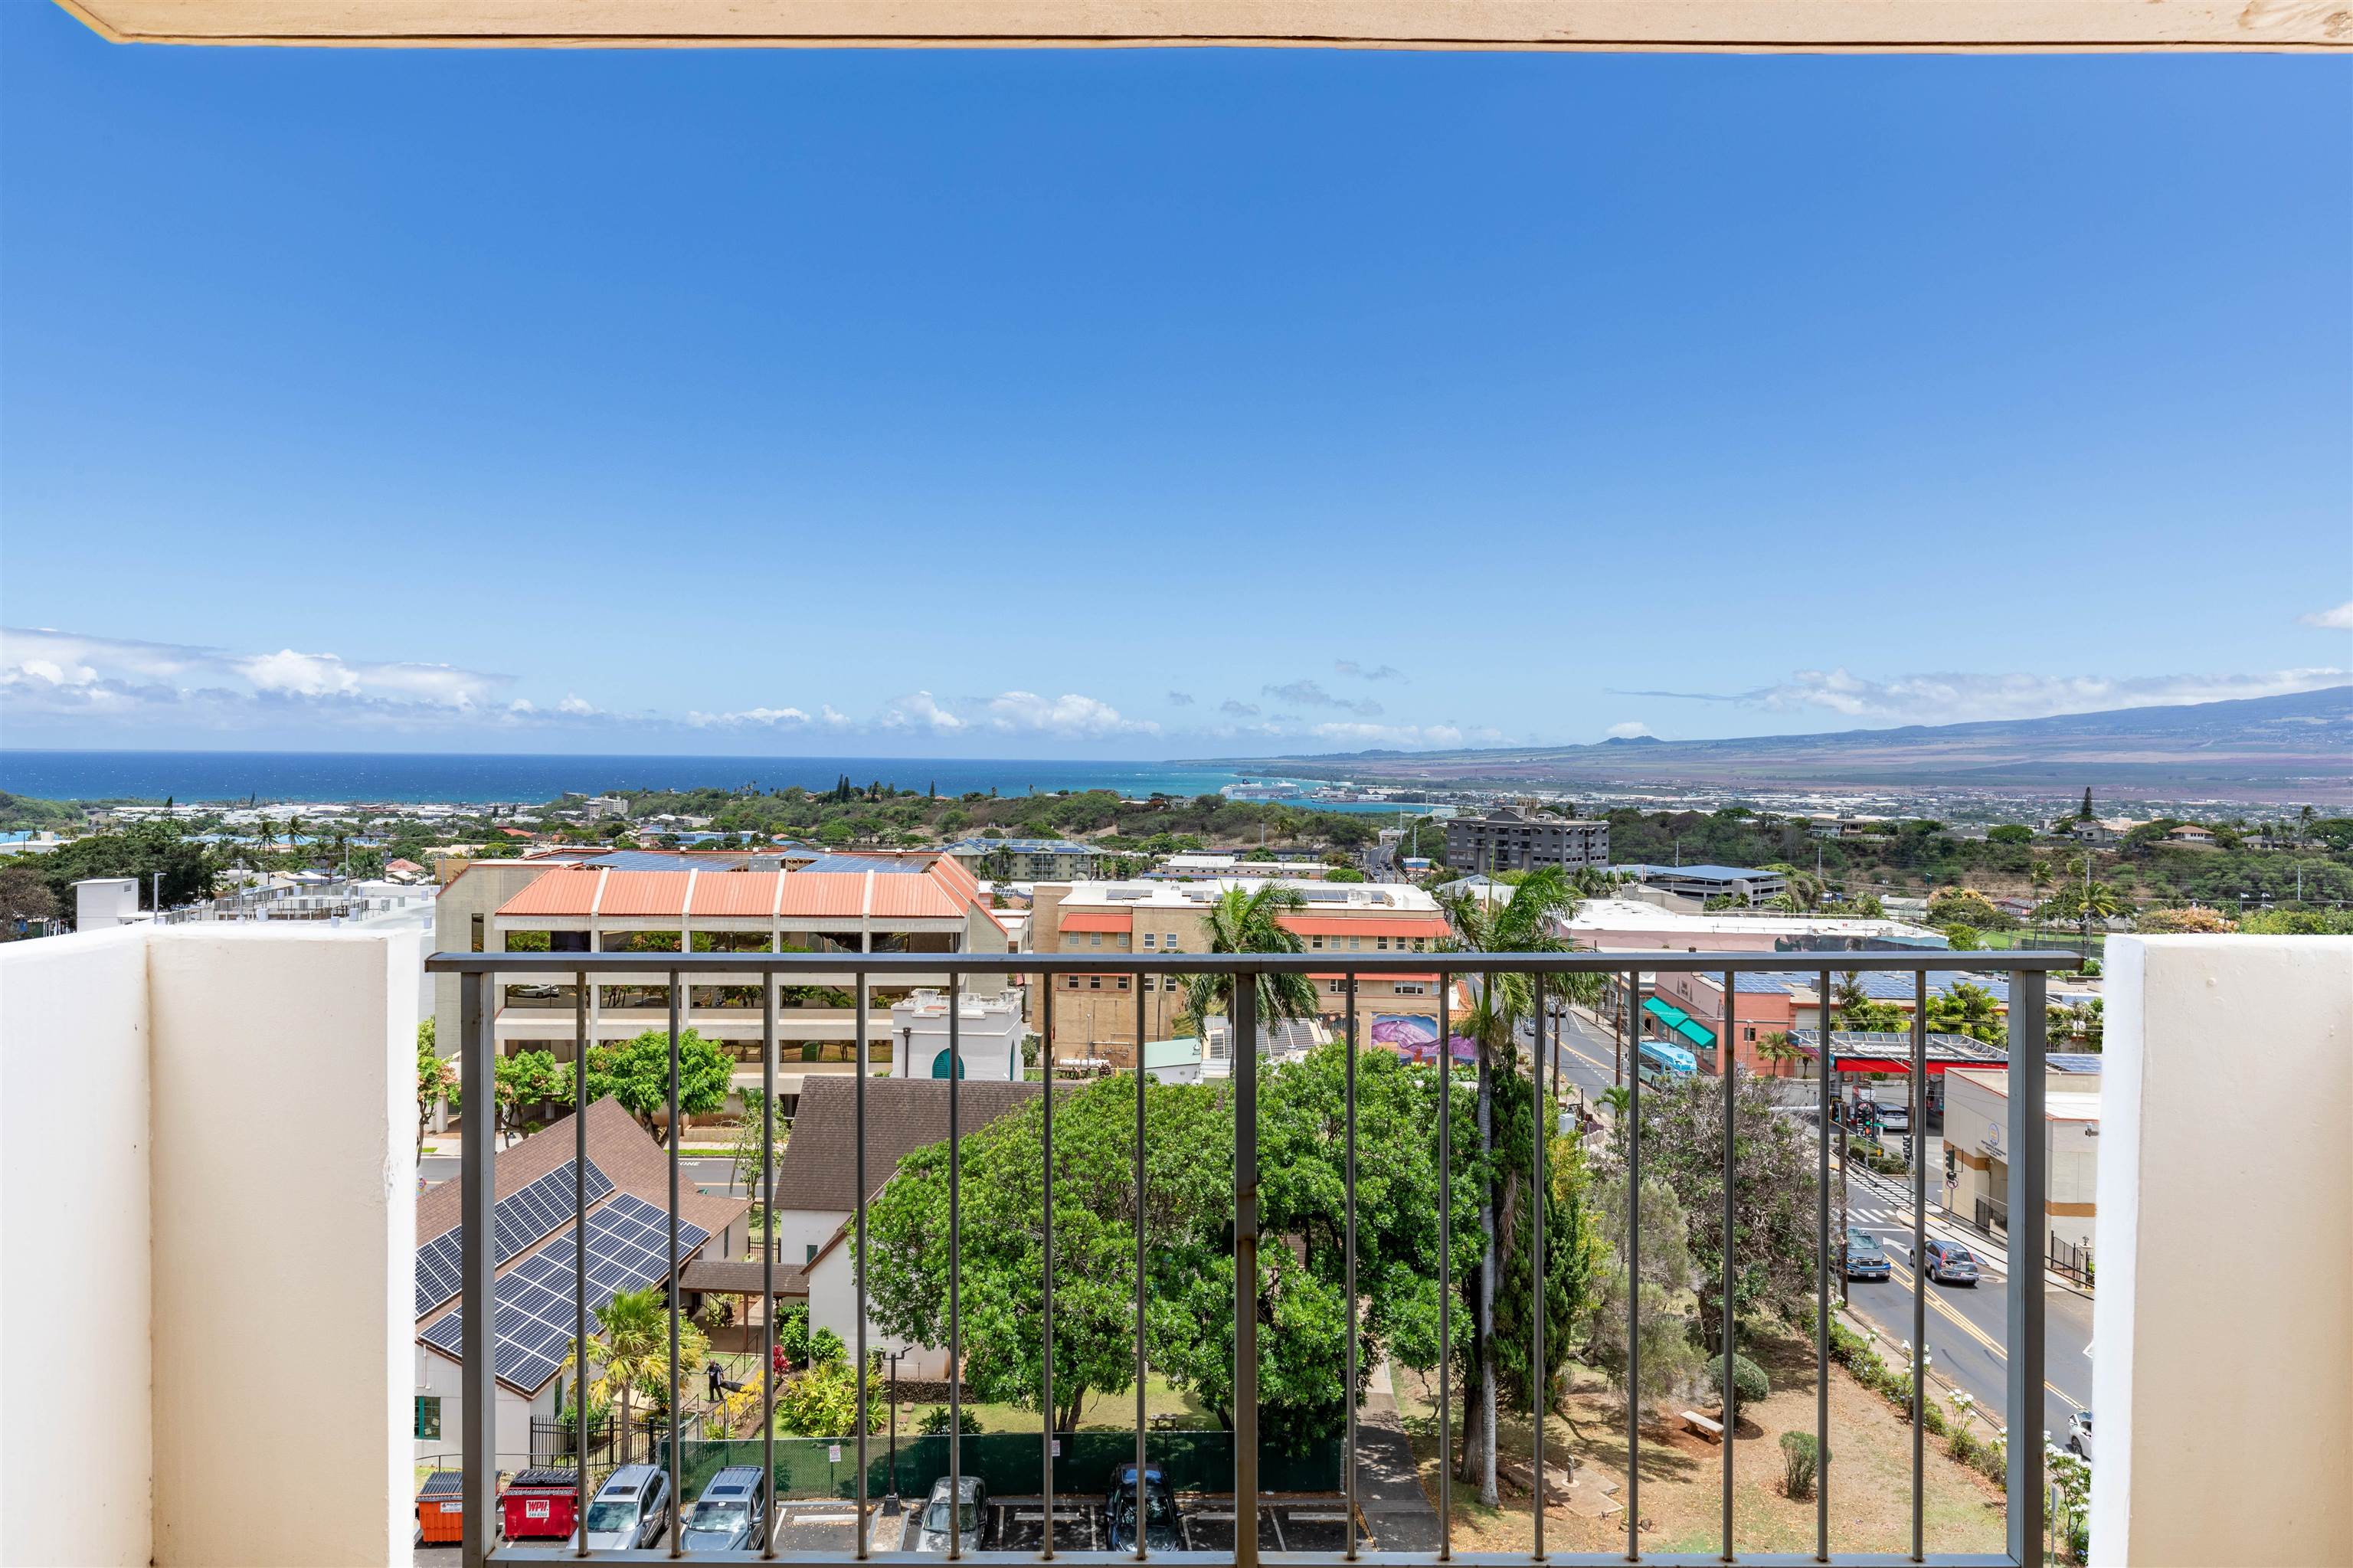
column 327, row 776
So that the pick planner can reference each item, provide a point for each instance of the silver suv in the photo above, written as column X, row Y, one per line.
column 630, row 1511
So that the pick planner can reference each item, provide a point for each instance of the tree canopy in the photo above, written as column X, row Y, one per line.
column 637, row 1073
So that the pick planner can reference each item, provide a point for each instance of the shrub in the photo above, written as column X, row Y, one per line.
column 1800, row 1460
column 1963, row 1448
column 936, row 1421
column 1932, row 1420
column 1748, row 1379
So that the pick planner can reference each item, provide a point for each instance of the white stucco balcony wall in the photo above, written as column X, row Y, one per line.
column 2224, row 1330
column 207, row 1182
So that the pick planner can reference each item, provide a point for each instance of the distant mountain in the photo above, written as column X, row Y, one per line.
column 2299, row 746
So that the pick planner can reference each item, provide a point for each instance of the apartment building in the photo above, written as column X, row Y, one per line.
column 1742, row 884
column 1027, row 860
column 1523, row 838
column 1096, row 1015
column 834, row 903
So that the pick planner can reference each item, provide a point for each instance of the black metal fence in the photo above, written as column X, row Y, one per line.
column 2071, row 1261
column 1242, row 974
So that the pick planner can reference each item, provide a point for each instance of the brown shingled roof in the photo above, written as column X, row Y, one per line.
column 818, row 1168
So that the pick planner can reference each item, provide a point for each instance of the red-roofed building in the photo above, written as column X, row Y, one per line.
column 644, row 901
column 1094, row 1015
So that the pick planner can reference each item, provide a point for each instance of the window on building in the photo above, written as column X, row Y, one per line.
column 1337, row 987
column 428, row 1406
column 1147, row 981
column 1171, row 944
column 1094, row 982
column 1148, row 939
column 1380, row 944
column 1120, row 983
column 1748, row 1035
column 478, row 934
column 807, row 1258
column 1356, row 943
column 1315, row 942
column 1410, row 988
column 1094, row 939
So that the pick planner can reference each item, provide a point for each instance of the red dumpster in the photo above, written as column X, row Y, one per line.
column 441, row 1508
column 540, row 1505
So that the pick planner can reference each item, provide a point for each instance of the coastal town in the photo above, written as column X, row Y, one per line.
column 770, row 1230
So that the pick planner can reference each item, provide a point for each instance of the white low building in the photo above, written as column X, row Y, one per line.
column 1977, row 1160
column 989, row 1032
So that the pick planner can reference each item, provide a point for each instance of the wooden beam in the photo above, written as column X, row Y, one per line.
column 1757, row 25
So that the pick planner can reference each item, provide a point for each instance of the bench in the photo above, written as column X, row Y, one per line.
column 1710, row 1429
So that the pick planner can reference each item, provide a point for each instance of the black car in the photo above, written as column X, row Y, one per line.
column 1164, row 1527
column 1862, row 1256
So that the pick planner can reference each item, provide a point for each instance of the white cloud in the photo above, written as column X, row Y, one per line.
column 576, row 706
column 2337, row 620
column 770, row 718
column 1068, row 713
column 1233, row 709
column 1952, row 698
column 917, row 710
column 1379, row 672
column 1180, row 699
column 1628, row 730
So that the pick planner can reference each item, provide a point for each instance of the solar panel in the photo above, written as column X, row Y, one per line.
column 530, row 1213
column 533, row 1317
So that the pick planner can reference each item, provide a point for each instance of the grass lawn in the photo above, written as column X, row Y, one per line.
column 1103, row 1412
column 1870, row 1482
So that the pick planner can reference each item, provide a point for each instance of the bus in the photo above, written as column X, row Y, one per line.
column 1657, row 1061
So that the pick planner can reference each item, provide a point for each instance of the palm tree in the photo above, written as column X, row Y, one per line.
column 2038, row 875
column 1499, row 1004
column 1776, row 1047
column 632, row 1346
column 1248, row 922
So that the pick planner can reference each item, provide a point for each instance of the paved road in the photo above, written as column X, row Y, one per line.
column 1581, row 1054
column 1969, row 1326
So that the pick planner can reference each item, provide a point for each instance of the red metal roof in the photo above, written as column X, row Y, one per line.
column 1098, row 920
column 824, row 895
column 925, row 898
column 1365, row 924
column 734, row 893
column 644, row 894
column 566, row 891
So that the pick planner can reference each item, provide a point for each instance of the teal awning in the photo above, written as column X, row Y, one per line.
column 1676, row 1020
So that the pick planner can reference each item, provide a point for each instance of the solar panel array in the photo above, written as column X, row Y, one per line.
column 533, row 1318
column 527, row 1215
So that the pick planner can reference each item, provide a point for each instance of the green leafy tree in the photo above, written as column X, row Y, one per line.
column 1967, row 1009
column 1669, row 1361
column 1773, row 1192
column 1963, row 938
column 143, row 851
column 1186, row 1221
column 823, row 1401
column 636, row 1071
column 24, row 897
column 527, row 1078
column 1500, row 1004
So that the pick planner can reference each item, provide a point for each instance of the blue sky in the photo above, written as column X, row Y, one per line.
column 1156, row 403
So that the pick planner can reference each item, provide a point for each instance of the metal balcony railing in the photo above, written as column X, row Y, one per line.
column 2027, row 1182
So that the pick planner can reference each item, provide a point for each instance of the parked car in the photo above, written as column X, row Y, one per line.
column 1895, row 1115
column 938, row 1519
column 1163, row 1528
column 630, row 1511
column 1862, row 1256
column 731, row 1514
column 1950, row 1263
column 2079, row 1433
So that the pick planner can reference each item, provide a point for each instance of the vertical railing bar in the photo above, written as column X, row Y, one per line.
column 676, row 1548
column 768, row 1284
column 1445, row 1268
column 2029, row 1212
column 1245, row 1010
column 1348, row 1284
column 956, row 1269
column 478, row 1258
column 1919, row 1245
column 1825, row 1063
column 1140, row 1358
column 1046, row 1333
column 1631, row 1128
column 1540, row 1399
column 1727, row 1058
column 858, row 1159
column 580, row 1255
